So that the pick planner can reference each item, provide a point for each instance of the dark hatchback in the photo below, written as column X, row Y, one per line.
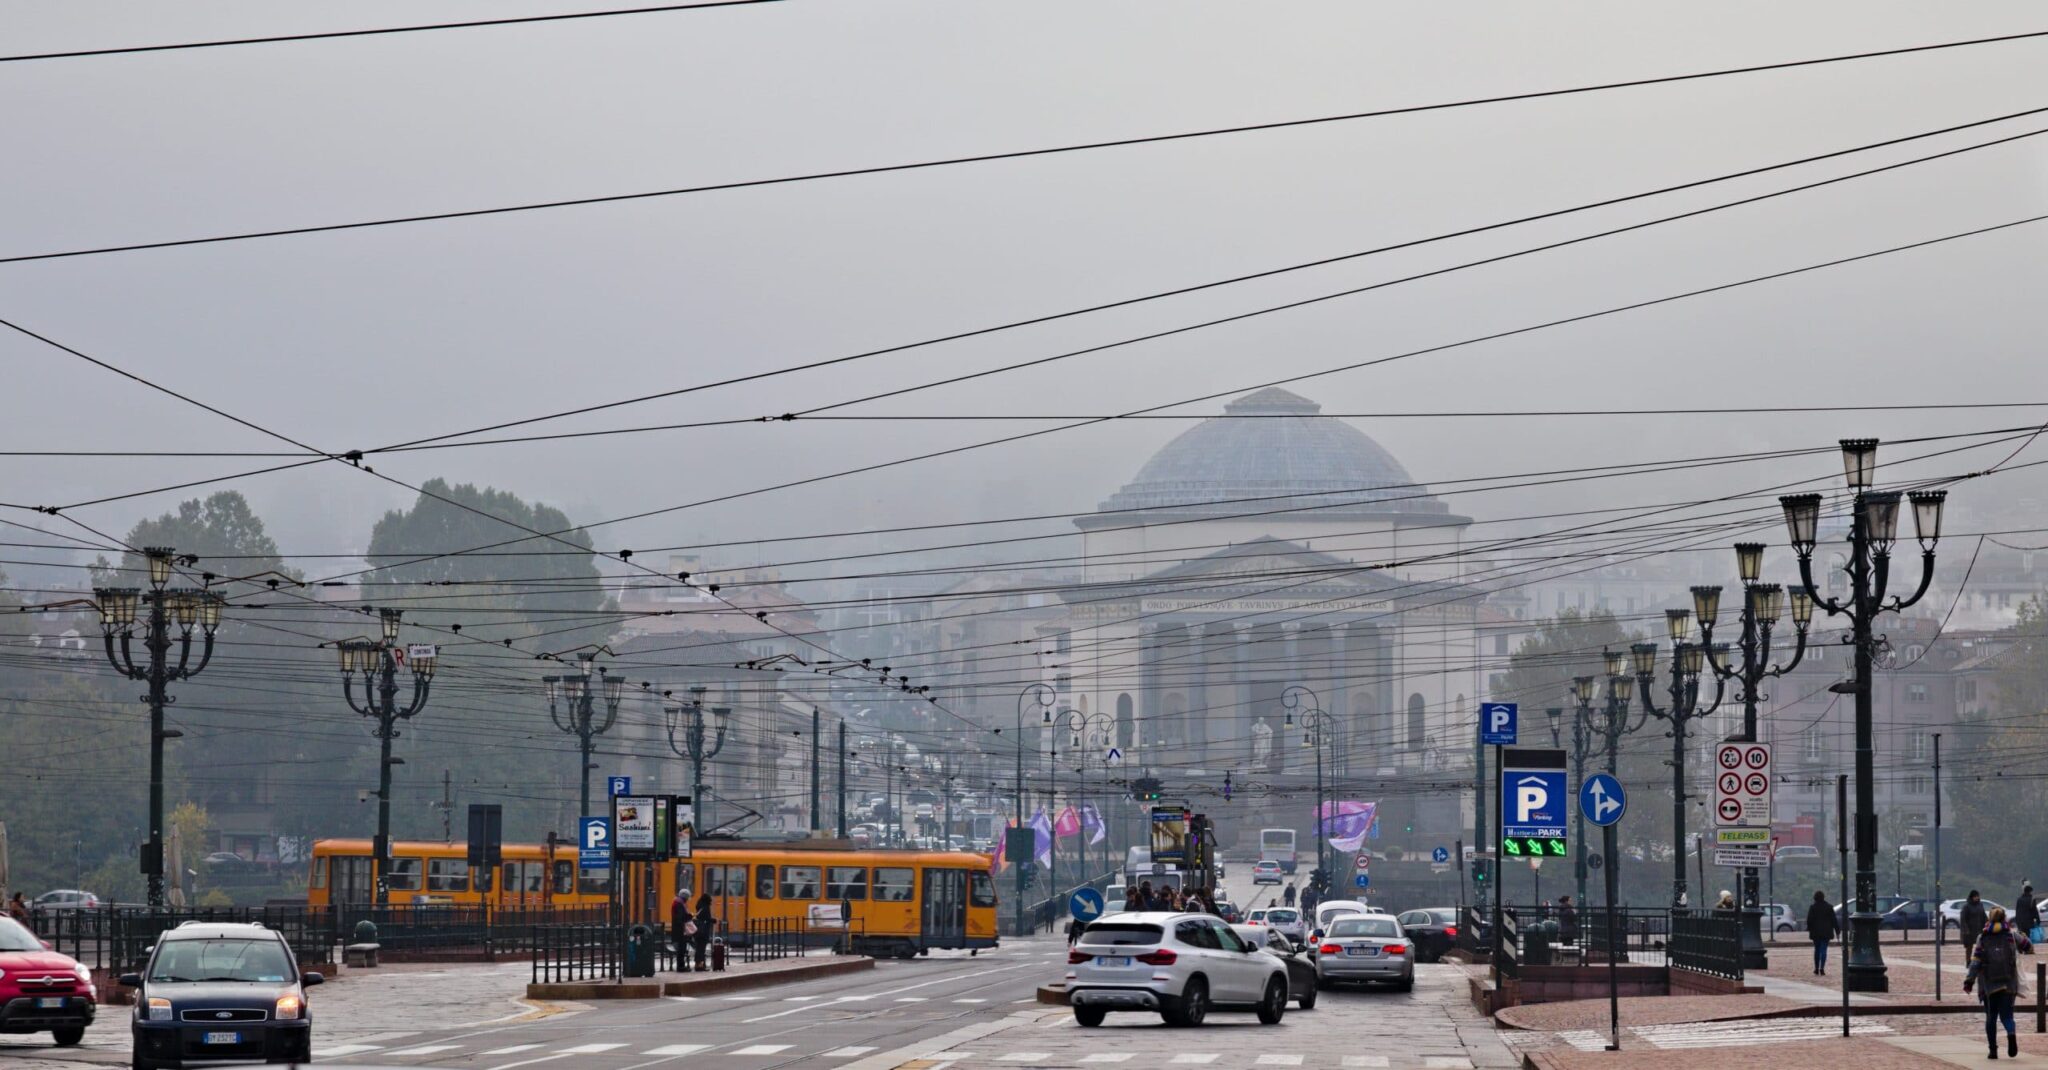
column 1434, row 931
column 217, row 993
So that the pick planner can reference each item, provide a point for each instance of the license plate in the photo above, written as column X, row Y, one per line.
column 1361, row 951
column 54, row 1003
column 1119, row 960
column 223, row 1038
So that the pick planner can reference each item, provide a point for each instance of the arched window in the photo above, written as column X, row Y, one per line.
column 1126, row 724
column 1418, row 720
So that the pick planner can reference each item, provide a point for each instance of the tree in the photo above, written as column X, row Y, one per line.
column 1541, row 669
column 221, row 530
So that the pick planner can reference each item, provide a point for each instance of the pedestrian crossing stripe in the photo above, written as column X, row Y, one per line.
column 339, row 1050
column 1365, row 1060
column 513, row 1050
column 1279, row 1060
column 762, row 1049
column 850, row 1052
column 1107, row 1057
column 427, row 1049
column 677, row 1049
column 590, row 1049
column 1195, row 1057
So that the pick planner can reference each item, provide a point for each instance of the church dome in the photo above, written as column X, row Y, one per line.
column 1273, row 450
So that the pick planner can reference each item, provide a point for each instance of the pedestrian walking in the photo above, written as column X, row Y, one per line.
column 1287, row 897
column 1972, row 922
column 701, row 928
column 1995, row 970
column 1309, row 899
column 1567, row 920
column 1074, row 928
column 1820, row 928
column 1145, row 900
column 1195, row 905
column 2026, row 916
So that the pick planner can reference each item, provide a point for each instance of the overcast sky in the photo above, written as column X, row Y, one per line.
column 377, row 336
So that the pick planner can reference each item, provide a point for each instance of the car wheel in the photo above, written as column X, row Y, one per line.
column 1784, row 928
column 1307, row 1001
column 1324, row 985
column 1273, row 1007
column 1193, row 1005
column 1089, row 1017
column 69, row 1035
column 1406, row 984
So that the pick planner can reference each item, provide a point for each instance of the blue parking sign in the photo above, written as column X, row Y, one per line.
column 618, row 785
column 1533, row 803
column 594, row 847
column 1497, row 723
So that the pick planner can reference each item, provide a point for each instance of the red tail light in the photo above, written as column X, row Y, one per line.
column 1397, row 949
column 1451, row 931
column 1075, row 958
column 1165, row 956
column 1330, row 949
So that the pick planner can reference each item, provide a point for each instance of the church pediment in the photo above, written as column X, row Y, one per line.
column 1261, row 575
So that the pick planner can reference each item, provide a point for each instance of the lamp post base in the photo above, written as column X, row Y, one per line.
column 1865, row 968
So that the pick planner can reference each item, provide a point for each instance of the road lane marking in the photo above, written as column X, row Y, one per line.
column 970, row 1001
column 1025, row 1056
column 1195, row 1057
column 513, row 1050
column 1447, row 1062
column 339, row 1050
column 1107, row 1057
column 1365, row 1060
column 777, row 1014
column 1279, row 1060
column 798, row 999
column 847, row 1052
column 530, row 1062
column 761, row 1049
column 590, row 1049
column 677, row 1049
column 427, row 1049
column 743, row 999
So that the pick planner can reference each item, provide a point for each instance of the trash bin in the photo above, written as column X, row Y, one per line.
column 1537, row 940
column 640, row 947
column 366, row 932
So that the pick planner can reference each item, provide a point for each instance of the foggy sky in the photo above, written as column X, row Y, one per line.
column 371, row 337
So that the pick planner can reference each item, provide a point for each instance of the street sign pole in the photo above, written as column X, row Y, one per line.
column 1613, row 948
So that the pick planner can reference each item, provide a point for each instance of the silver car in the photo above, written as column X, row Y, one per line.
column 1366, row 947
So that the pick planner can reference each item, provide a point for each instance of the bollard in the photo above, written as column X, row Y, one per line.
column 2040, row 1000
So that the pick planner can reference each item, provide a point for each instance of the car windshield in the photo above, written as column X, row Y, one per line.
column 1364, row 927
column 1443, row 917
column 227, row 959
column 1283, row 917
column 13, row 937
column 1116, row 935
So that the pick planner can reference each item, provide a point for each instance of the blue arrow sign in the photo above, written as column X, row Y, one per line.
column 1440, row 855
column 1602, row 799
column 1497, row 723
column 1085, row 904
column 1363, row 880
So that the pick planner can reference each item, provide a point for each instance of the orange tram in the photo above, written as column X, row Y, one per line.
column 898, row 902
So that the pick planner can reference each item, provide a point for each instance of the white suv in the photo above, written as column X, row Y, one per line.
column 1178, row 965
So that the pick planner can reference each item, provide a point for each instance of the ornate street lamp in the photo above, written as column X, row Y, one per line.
column 378, row 662
column 689, row 720
column 1687, row 659
column 1292, row 699
column 1762, row 604
column 118, row 606
column 1873, row 526
column 572, row 705
column 1045, row 697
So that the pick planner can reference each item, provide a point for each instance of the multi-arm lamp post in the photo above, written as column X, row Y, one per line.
column 572, row 705
column 117, row 606
column 1687, row 659
column 1874, row 522
column 1312, row 725
column 1581, row 738
column 688, row 722
column 1044, row 695
column 1762, row 603
column 1613, row 727
column 378, row 661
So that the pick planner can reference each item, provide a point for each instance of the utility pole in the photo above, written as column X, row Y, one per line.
column 447, row 805
column 379, row 662
column 1938, row 926
column 816, row 726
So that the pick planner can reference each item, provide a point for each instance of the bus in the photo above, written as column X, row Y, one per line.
column 1277, row 845
column 899, row 903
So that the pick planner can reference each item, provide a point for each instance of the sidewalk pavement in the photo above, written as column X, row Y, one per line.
column 1592, row 1014
column 1832, row 1054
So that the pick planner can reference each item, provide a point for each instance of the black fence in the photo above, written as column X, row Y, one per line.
column 772, row 938
column 1641, row 934
column 1708, row 942
column 571, row 952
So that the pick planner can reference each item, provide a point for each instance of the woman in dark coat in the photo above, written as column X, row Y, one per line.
column 1995, row 972
column 1820, row 927
column 701, row 940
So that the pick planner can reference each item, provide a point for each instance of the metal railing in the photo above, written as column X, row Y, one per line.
column 773, row 938
column 1708, row 942
column 569, row 952
column 1641, row 934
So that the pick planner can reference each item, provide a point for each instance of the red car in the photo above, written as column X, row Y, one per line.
column 41, row 990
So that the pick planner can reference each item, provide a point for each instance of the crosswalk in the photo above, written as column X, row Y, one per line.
column 1206, row 1058
column 382, row 1053
column 1728, row 1034
column 454, row 1053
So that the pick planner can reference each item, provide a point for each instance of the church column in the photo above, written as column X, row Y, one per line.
column 1239, row 734
column 1338, row 661
column 1294, row 757
column 1151, row 701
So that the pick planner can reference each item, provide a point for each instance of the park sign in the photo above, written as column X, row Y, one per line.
column 1534, row 804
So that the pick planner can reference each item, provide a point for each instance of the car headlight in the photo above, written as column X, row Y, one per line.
column 159, row 1009
column 288, row 1008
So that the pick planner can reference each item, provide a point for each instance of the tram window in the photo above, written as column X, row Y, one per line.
column 565, row 878
column 403, row 875
column 799, row 882
column 686, row 879
column 764, row 882
column 594, row 881
column 981, row 892
column 319, row 879
column 714, row 881
column 447, row 874
column 846, row 882
column 893, row 885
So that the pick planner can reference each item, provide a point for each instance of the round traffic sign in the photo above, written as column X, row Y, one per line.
column 1595, row 861
column 1731, row 783
column 1730, row 757
column 1757, row 783
column 1362, row 864
column 1730, row 810
column 1757, row 758
column 1085, row 904
column 1440, row 855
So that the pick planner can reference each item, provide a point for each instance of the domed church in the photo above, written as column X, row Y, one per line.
column 1265, row 549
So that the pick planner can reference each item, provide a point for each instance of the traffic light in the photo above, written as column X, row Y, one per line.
column 1146, row 789
column 1481, row 870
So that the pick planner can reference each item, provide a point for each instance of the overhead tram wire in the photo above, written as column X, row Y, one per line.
column 375, row 31
column 1213, row 284
column 1040, row 432
column 1150, row 139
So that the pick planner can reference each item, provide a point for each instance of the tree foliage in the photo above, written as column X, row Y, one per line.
column 221, row 530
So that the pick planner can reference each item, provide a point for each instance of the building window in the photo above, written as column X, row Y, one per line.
column 1921, row 746
column 1918, row 785
column 1969, row 690
column 1916, row 692
column 1418, row 720
column 1500, row 644
column 1816, row 745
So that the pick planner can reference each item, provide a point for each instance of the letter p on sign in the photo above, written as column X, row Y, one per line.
column 1528, row 800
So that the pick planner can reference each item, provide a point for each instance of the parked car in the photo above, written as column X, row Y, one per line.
column 1330, row 910
column 1266, row 871
column 42, row 991
column 1176, row 965
column 1952, row 912
column 1911, row 914
column 1778, row 917
column 1366, row 947
column 65, row 899
column 1885, row 903
column 1301, row 968
column 1434, row 931
column 215, row 991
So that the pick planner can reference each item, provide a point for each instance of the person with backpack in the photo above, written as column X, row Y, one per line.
column 1820, row 928
column 1995, row 972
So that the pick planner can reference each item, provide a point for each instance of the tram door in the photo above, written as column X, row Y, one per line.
column 727, row 886
column 352, row 881
column 945, row 907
